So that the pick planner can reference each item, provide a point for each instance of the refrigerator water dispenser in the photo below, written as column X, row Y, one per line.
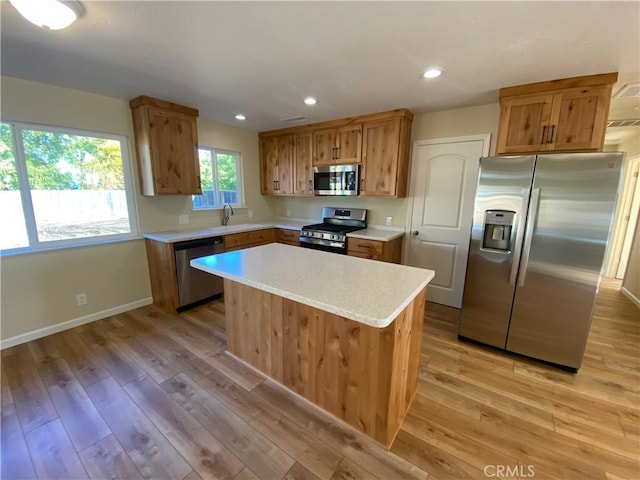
column 497, row 230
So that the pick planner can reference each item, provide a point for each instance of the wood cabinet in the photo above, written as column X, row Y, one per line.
column 302, row 168
column 390, row 251
column 276, row 165
column 166, row 142
column 252, row 238
column 286, row 236
column 558, row 116
column 162, row 273
column 381, row 142
column 337, row 145
column 385, row 157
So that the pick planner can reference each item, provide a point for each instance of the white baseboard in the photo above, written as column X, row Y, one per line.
column 630, row 296
column 76, row 322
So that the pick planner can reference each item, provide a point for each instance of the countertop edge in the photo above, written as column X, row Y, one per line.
column 365, row 320
column 372, row 233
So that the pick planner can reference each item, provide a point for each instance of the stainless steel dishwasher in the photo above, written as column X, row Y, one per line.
column 195, row 285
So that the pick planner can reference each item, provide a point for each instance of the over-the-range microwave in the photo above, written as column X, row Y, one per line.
column 336, row 179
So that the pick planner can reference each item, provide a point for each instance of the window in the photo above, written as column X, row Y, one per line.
column 63, row 187
column 221, row 176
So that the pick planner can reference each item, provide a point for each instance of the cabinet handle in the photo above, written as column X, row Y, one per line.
column 337, row 153
column 274, row 185
column 333, row 153
column 362, row 184
column 544, row 130
column 553, row 128
column 199, row 183
column 310, row 185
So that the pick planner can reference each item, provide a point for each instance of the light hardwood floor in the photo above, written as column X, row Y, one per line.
column 150, row 395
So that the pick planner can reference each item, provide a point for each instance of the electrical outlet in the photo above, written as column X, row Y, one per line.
column 389, row 220
column 183, row 219
column 81, row 299
column 250, row 213
column 288, row 212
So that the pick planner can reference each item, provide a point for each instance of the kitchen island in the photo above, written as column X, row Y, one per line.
column 342, row 332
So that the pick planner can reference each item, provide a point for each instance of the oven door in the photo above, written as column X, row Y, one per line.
column 324, row 245
column 336, row 180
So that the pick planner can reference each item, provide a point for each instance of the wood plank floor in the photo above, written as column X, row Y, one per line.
column 149, row 395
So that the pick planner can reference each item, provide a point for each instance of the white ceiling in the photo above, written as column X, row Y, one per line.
column 263, row 58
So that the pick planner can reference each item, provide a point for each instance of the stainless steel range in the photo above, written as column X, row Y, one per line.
column 331, row 234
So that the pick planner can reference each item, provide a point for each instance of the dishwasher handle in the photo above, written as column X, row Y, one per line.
column 200, row 242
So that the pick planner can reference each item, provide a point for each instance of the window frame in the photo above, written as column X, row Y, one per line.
column 214, row 170
column 35, row 244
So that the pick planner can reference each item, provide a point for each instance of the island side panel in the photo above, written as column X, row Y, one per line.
column 406, row 358
column 419, row 304
column 345, row 367
column 254, row 327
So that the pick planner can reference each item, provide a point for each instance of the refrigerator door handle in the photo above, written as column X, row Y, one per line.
column 517, row 251
column 526, row 249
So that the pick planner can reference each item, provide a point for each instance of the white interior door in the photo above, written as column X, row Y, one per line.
column 444, row 175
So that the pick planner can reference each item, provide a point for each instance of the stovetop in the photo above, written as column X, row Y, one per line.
column 329, row 227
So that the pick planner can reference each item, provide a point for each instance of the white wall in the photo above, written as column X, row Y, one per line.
column 38, row 289
column 631, row 282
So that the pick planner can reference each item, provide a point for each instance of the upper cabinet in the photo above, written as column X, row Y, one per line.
column 302, row 169
column 380, row 142
column 166, row 140
column 556, row 116
column 337, row 145
column 276, row 164
column 385, row 157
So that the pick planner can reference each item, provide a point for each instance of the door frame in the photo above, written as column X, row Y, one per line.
column 485, row 138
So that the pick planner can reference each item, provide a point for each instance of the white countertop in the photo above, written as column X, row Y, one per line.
column 172, row 236
column 374, row 233
column 372, row 293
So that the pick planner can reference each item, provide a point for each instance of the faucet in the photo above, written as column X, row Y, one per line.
column 225, row 215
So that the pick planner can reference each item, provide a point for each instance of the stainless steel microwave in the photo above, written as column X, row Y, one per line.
column 336, row 180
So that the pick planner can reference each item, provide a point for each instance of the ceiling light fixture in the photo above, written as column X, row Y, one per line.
column 310, row 101
column 433, row 73
column 49, row 14
column 240, row 117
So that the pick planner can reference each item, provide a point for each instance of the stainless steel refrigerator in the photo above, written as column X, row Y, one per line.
column 540, row 230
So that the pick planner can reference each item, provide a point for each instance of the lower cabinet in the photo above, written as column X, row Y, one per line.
column 253, row 238
column 390, row 251
column 162, row 272
column 288, row 237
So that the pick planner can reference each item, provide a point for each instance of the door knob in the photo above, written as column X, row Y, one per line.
column 415, row 233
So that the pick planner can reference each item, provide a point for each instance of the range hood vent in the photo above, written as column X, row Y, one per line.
column 294, row 119
column 629, row 90
column 623, row 123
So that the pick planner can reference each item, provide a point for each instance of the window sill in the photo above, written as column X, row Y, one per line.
column 50, row 248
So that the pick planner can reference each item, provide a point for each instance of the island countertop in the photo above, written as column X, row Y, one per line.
column 367, row 291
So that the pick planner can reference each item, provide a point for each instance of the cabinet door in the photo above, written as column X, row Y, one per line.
column 349, row 144
column 524, row 123
column 268, row 165
column 324, row 145
column 380, row 157
column 579, row 119
column 284, row 180
column 173, row 138
column 303, row 184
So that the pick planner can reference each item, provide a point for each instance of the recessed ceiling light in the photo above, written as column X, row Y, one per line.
column 310, row 101
column 50, row 14
column 433, row 73
column 240, row 117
